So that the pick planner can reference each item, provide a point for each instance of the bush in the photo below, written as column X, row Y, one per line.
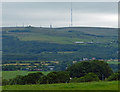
column 87, row 78
column 114, row 76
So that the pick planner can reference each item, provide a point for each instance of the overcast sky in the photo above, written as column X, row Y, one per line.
column 58, row 14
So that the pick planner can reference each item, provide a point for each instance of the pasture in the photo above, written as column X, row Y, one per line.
column 102, row 85
column 64, row 35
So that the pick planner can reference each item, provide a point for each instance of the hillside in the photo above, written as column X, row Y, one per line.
column 61, row 45
column 67, row 35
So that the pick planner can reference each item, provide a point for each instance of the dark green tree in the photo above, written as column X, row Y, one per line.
column 58, row 77
column 32, row 78
column 17, row 80
column 114, row 76
column 87, row 78
column 5, row 82
column 63, row 77
column 52, row 77
column 43, row 80
column 100, row 68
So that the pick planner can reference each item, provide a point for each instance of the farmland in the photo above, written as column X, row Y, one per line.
column 103, row 85
column 62, row 45
column 63, row 35
column 13, row 74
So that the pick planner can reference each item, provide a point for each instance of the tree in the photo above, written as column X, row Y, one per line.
column 43, row 80
column 63, row 77
column 100, row 68
column 5, row 82
column 32, row 78
column 58, row 77
column 52, row 77
column 17, row 80
column 114, row 76
column 87, row 78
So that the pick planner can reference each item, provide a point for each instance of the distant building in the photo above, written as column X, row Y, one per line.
column 79, row 42
column 84, row 59
column 74, row 62
column 90, row 42
column 51, row 67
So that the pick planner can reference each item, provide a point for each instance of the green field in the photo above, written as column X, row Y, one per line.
column 113, row 62
column 64, row 35
column 111, row 85
column 13, row 74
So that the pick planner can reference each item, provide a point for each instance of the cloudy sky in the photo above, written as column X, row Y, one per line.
column 57, row 14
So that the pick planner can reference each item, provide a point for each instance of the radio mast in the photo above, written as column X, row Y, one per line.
column 71, row 14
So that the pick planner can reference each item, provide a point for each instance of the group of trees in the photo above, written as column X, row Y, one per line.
column 55, row 77
column 39, row 78
column 114, row 76
column 87, row 78
column 100, row 68
column 86, row 71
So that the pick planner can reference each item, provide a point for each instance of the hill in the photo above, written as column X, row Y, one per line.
column 67, row 35
column 62, row 45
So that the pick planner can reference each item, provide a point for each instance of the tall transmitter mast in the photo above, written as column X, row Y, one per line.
column 71, row 14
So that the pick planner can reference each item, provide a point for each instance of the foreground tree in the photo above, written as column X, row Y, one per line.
column 17, row 80
column 58, row 77
column 31, row 78
column 100, row 68
column 87, row 78
column 5, row 82
column 43, row 80
column 114, row 76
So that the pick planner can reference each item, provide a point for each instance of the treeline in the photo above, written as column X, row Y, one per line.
column 39, row 78
column 86, row 71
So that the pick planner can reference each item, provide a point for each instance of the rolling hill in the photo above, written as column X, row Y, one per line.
column 64, row 45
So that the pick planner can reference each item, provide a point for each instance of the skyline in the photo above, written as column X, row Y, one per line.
column 59, row 14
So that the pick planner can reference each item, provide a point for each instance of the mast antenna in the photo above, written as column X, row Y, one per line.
column 71, row 14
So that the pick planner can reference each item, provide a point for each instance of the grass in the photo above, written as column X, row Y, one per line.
column 63, row 36
column 13, row 74
column 104, row 85
column 51, row 39
column 113, row 62
column 62, row 39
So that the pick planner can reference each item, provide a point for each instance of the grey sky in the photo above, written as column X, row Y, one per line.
column 58, row 14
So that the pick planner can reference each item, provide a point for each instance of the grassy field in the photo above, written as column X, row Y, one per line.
column 113, row 62
column 111, row 85
column 13, row 74
column 65, row 35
